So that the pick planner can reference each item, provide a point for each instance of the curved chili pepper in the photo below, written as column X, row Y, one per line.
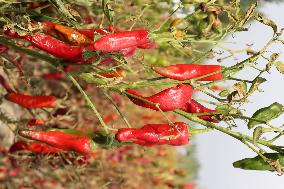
column 66, row 141
column 36, row 147
column 189, row 71
column 53, row 46
column 195, row 107
column 28, row 101
column 73, row 35
column 155, row 134
column 168, row 99
column 117, row 41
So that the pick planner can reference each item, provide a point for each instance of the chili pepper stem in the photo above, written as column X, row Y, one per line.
column 89, row 102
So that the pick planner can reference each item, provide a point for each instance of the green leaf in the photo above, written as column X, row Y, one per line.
column 257, row 163
column 266, row 114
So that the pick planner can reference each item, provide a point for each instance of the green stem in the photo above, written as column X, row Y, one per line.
column 90, row 103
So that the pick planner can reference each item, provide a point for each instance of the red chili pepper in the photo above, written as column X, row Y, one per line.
column 66, row 141
column 28, row 101
column 34, row 121
column 189, row 71
column 168, row 99
column 53, row 46
column 195, row 107
column 117, row 41
column 155, row 134
column 5, row 84
column 148, row 45
column 36, row 147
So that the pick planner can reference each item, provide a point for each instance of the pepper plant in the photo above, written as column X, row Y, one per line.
column 83, row 62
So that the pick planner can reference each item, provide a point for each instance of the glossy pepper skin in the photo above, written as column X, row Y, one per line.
column 67, row 141
column 36, row 147
column 28, row 101
column 155, row 134
column 53, row 46
column 117, row 41
column 168, row 99
column 183, row 72
column 195, row 107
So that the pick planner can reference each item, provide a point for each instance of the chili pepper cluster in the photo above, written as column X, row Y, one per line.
column 70, row 44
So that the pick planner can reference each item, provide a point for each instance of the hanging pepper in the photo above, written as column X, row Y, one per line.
column 168, row 99
column 117, row 41
column 53, row 46
column 155, row 134
column 36, row 147
column 78, row 142
column 195, row 107
column 148, row 45
column 73, row 35
column 189, row 71
column 28, row 101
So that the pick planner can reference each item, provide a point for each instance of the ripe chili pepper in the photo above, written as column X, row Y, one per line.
column 28, row 101
column 53, row 46
column 5, row 84
column 73, row 35
column 168, row 99
column 189, row 71
column 195, row 107
column 36, row 147
column 117, row 41
column 67, row 141
column 155, row 134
